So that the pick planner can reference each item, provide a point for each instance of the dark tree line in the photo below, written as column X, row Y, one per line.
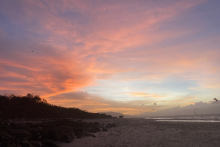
column 32, row 106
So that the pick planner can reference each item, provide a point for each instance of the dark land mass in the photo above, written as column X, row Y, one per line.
column 29, row 121
column 30, row 106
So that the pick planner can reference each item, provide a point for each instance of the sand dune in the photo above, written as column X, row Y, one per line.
column 149, row 133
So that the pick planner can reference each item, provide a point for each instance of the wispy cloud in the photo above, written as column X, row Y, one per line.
column 185, row 99
column 154, row 95
column 42, row 69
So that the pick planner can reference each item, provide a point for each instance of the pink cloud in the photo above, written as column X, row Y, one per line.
column 44, row 71
column 112, row 26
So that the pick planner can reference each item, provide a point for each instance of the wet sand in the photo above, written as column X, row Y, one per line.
column 151, row 133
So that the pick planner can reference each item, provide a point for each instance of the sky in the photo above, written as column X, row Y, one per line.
column 135, row 57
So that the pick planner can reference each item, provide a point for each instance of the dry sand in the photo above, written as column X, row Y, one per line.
column 150, row 133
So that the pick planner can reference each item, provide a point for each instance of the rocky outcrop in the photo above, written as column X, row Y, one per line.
column 109, row 125
column 49, row 143
column 93, row 127
column 36, row 143
column 62, row 133
column 6, row 140
column 104, row 129
column 43, row 134
column 21, row 135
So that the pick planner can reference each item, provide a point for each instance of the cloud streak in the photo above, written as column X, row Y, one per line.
column 45, row 69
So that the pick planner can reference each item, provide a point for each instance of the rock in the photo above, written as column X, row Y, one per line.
column 104, row 129
column 97, row 123
column 68, row 134
column 20, row 126
column 35, row 144
column 48, row 143
column 62, row 133
column 26, row 145
column 79, row 124
column 93, row 127
column 109, row 125
column 36, row 135
column 39, row 133
column 30, row 134
column 66, row 139
column 6, row 140
column 89, row 134
column 79, row 121
column 55, row 134
column 80, row 132
column 22, row 135
column 92, row 135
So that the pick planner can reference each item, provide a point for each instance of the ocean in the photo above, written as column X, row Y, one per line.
column 189, row 118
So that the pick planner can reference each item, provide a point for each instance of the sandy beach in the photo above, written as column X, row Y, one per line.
column 151, row 133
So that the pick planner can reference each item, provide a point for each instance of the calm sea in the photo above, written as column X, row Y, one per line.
column 189, row 118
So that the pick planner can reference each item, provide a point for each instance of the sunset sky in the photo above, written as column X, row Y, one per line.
column 128, row 56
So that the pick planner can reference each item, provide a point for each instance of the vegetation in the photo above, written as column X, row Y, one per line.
column 32, row 106
column 121, row 116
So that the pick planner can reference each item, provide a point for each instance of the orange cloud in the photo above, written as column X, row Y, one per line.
column 47, row 75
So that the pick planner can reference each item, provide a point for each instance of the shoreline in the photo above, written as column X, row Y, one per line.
column 140, row 132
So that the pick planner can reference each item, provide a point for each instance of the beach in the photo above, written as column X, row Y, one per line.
column 138, row 132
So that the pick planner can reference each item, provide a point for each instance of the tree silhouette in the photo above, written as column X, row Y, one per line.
column 32, row 106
